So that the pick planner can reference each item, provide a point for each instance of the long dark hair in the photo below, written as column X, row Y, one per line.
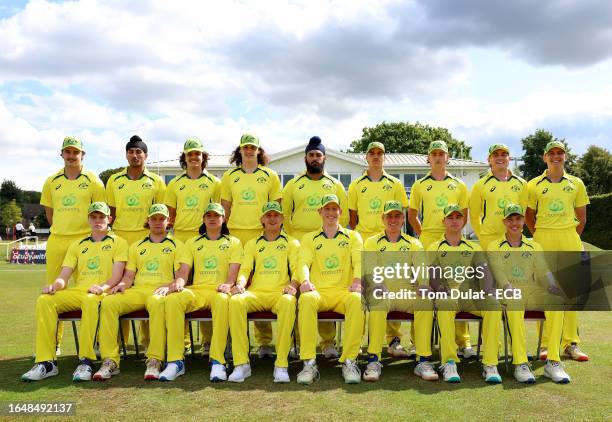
column 183, row 160
column 262, row 157
column 224, row 229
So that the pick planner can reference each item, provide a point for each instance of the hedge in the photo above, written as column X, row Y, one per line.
column 598, row 230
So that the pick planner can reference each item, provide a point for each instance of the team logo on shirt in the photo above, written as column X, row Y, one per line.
column 261, row 180
column 132, row 200
column 429, row 187
column 441, row 201
column 203, row 186
column 166, row 251
column 236, row 179
column 182, row 187
column 518, row 272
column 332, row 262
column 365, row 188
column 301, row 186
column 387, row 187
column 466, row 253
column 568, row 189
column 343, row 244
column 375, row 203
column 84, row 250
column 263, row 248
column 556, row 205
column 281, row 247
column 493, row 189
column 313, row 200
column 544, row 191
column 121, row 186
column 223, row 246
column 404, row 248
column 107, row 247
column 452, row 186
column 200, row 247
column 248, row 194
column 93, row 263
column 191, row 201
column 269, row 263
column 69, row 200
column 144, row 251
column 152, row 264
column 83, row 185
column 327, row 186
column 147, row 185
column 384, row 248
column 515, row 188
column 526, row 254
column 210, row 262
column 58, row 186
column 319, row 246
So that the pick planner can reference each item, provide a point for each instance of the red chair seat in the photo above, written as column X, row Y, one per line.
column 261, row 315
column 467, row 316
column 400, row 316
column 330, row 315
column 70, row 315
column 199, row 314
column 140, row 314
column 535, row 315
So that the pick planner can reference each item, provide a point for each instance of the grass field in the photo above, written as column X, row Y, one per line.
column 399, row 395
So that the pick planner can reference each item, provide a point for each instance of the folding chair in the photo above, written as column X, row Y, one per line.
column 73, row 317
column 141, row 315
column 530, row 316
column 201, row 315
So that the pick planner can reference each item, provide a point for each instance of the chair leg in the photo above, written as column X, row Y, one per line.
column 191, row 337
column 506, row 329
column 479, row 340
column 76, row 337
column 537, row 356
column 122, row 341
column 135, row 338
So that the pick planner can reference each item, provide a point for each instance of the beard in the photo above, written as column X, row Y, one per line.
column 316, row 168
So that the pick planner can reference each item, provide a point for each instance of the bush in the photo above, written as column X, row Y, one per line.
column 598, row 230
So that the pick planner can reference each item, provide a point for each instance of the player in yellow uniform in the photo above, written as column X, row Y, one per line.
column 367, row 195
column 215, row 257
column 302, row 199
column 330, row 268
column 244, row 190
column 156, row 266
column 556, row 216
column 491, row 193
column 391, row 239
column 428, row 197
column 99, row 260
column 454, row 251
column 187, row 196
column 272, row 259
column 518, row 263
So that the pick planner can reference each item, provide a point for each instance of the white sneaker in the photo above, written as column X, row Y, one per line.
column 351, row 372
column 466, row 352
column 522, row 373
column 554, row 370
column 294, row 352
column 373, row 371
column 281, row 375
column 490, row 374
column 106, row 371
column 39, row 372
column 396, row 349
column 217, row 372
column 309, row 373
column 330, row 352
column 173, row 370
column 153, row 369
column 82, row 372
column 573, row 351
column 265, row 352
column 449, row 372
column 240, row 373
column 426, row 371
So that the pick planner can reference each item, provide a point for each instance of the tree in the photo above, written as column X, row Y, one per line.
column 30, row 197
column 10, row 213
column 9, row 191
column 595, row 170
column 104, row 176
column 409, row 138
column 533, row 147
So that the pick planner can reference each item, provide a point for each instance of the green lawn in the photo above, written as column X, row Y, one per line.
column 399, row 395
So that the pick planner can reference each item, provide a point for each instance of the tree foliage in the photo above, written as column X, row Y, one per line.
column 106, row 174
column 10, row 213
column 595, row 170
column 533, row 152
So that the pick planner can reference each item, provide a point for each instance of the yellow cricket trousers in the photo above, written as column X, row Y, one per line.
column 47, row 309
column 282, row 305
column 133, row 299
column 339, row 300
column 190, row 300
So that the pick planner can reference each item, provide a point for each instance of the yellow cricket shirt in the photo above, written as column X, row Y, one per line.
column 70, row 200
column 248, row 192
column 466, row 254
column 190, row 197
column 211, row 258
column 429, row 197
column 155, row 263
column 368, row 198
column 331, row 263
column 488, row 200
column 273, row 263
column 94, row 260
column 554, row 203
column 302, row 199
column 522, row 265
column 132, row 198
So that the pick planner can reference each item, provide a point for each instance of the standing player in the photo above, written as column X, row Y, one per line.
column 428, row 197
column 454, row 251
column 367, row 195
column 157, row 265
column 272, row 259
column 215, row 258
column 99, row 260
column 391, row 239
column 244, row 190
column 492, row 193
column 556, row 216
column 302, row 198
column 330, row 262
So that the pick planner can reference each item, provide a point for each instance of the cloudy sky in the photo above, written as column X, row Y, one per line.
column 106, row 69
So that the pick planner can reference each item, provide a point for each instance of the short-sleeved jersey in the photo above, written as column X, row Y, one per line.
column 248, row 192
column 190, row 197
column 211, row 258
column 466, row 254
column 488, row 200
column 331, row 263
column 132, row 198
column 93, row 261
column 368, row 198
column 430, row 196
column 272, row 263
column 155, row 263
column 522, row 265
column 302, row 200
column 70, row 200
column 554, row 203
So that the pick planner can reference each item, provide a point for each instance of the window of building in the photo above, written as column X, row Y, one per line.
column 345, row 178
column 168, row 177
column 286, row 177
